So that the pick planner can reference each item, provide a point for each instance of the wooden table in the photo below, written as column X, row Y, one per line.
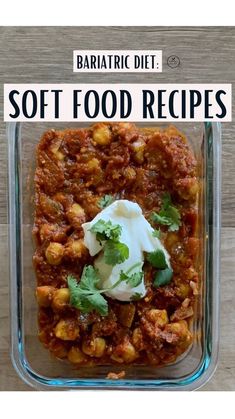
column 45, row 55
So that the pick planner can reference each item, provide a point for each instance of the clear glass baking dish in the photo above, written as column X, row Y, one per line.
column 33, row 363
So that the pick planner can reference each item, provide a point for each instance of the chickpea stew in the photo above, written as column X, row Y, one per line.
column 79, row 173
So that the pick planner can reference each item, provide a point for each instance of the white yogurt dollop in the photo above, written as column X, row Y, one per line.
column 136, row 233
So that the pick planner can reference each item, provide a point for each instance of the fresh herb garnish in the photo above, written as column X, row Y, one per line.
column 168, row 215
column 86, row 296
column 157, row 259
column 115, row 252
column 163, row 277
column 105, row 230
column 105, row 201
column 134, row 279
column 157, row 233
column 137, row 296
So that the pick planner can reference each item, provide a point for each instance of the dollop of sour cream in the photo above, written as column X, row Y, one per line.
column 136, row 233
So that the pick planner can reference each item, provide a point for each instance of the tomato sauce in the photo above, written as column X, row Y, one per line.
column 75, row 169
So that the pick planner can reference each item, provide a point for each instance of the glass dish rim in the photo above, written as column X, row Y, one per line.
column 207, row 365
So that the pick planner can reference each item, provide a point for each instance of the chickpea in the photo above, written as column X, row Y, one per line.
column 76, row 249
column 158, row 317
column 44, row 295
column 55, row 150
column 46, row 231
column 76, row 215
column 102, row 134
column 125, row 352
column 59, row 156
column 126, row 314
column 53, row 232
column 139, row 156
column 93, row 164
column 187, row 188
column 171, row 239
column 77, row 210
column 153, row 357
column 117, row 358
column 182, row 290
column 61, row 299
column 76, row 356
column 95, row 347
column 193, row 189
column 124, row 129
column 67, row 329
column 190, row 274
column 137, row 339
column 54, row 253
column 130, row 173
column 125, row 125
column 138, row 148
column 59, row 350
column 129, row 353
column 180, row 330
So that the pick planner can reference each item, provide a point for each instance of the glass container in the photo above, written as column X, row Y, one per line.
column 33, row 363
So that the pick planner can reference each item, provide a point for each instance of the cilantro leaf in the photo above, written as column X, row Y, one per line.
column 157, row 233
column 168, row 215
column 160, row 219
column 174, row 216
column 89, row 278
column 163, row 277
column 105, row 201
column 166, row 200
column 72, row 284
column 133, row 280
column 98, row 303
column 85, row 295
column 78, row 299
column 115, row 252
column 105, row 230
column 157, row 259
column 81, row 302
column 137, row 296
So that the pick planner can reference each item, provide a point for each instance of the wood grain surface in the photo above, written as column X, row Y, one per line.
column 44, row 55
